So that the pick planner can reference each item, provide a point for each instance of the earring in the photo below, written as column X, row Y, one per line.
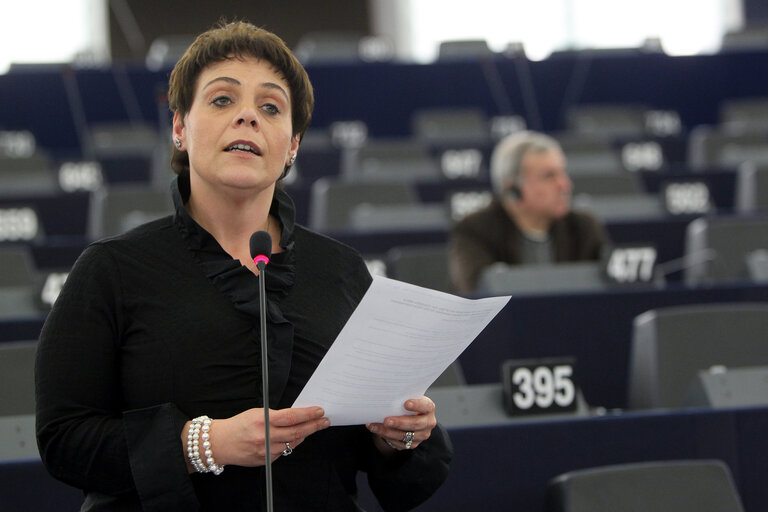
column 177, row 142
column 293, row 159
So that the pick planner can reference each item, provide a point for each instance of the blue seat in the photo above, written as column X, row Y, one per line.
column 26, row 485
column 670, row 345
column 659, row 486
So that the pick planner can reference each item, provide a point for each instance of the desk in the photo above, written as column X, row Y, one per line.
column 594, row 327
column 507, row 467
column 667, row 234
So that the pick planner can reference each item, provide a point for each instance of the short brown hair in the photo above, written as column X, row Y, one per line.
column 238, row 39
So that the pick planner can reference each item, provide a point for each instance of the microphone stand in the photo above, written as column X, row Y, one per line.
column 261, row 264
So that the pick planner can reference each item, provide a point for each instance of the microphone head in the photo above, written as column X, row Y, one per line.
column 261, row 246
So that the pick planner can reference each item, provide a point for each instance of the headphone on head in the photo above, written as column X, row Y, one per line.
column 514, row 192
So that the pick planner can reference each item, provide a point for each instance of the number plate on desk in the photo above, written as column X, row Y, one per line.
column 539, row 386
column 686, row 197
column 630, row 264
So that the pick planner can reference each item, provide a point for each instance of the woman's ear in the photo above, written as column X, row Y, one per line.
column 178, row 126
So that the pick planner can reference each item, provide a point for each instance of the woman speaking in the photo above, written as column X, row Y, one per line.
column 148, row 368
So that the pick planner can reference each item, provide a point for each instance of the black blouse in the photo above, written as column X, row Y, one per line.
column 160, row 325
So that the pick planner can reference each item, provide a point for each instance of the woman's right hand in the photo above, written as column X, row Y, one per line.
column 239, row 440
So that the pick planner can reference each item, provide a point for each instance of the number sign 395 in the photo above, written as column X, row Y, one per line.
column 539, row 386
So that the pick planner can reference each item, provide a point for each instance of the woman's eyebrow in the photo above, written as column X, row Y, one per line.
column 234, row 81
column 272, row 85
column 230, row 80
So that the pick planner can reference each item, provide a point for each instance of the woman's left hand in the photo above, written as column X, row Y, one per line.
column 408, row 431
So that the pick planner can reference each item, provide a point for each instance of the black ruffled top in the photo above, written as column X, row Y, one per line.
column 161, row 325
column 237, row 282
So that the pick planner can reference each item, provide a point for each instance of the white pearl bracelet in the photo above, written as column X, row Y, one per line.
column 200, row 433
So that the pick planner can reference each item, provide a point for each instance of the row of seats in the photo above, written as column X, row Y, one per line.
column 376, row 161
column 341, row 46
column 595, row 136
column 335, row 206
column 717, row 250
column 680, row 357
column 674, row 354
column 337, row 203
column 700, row 345
column 692, row 481
column 543, row 92
column 602, row 183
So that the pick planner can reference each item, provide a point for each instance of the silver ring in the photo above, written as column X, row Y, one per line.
column 408, row 440
column 288, row 450
column 389, row 443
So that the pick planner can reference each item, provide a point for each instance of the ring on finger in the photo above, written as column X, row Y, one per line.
column 288, row 450
column 408, row 440
column 389, row 443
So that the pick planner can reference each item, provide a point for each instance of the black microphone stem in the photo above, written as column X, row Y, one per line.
column 265, row 381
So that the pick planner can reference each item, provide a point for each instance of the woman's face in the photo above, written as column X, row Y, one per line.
column 238, row 132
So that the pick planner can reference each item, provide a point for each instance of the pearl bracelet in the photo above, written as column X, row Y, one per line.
column 194, row 438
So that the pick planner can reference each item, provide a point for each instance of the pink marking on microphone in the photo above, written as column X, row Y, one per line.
column 260, row 258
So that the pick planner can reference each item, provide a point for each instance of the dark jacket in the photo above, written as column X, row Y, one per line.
column 160, row 325
column 489, row 236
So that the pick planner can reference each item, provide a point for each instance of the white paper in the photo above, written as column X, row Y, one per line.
column 395, row 345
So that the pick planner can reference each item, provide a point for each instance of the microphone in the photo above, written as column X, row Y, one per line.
column 687, row 261
column 261, row 249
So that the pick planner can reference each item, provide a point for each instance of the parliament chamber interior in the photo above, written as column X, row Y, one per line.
column 664, row 341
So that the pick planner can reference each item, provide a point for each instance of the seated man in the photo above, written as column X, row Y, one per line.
column 530, row 218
